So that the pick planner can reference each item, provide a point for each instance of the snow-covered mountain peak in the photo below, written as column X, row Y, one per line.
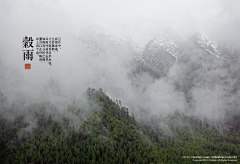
column 162, row 42
column 207, row 44
column 167, row 41
column 160, row 54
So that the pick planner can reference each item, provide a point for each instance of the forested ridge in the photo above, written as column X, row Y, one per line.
column 112, row 135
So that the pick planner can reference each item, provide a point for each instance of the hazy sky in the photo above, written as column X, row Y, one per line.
column 123, row 17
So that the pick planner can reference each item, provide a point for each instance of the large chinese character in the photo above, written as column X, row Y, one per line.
column 27, row 42
column 28, row 55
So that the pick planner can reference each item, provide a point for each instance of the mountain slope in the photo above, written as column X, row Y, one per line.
column 160, row 54
column 110, row 135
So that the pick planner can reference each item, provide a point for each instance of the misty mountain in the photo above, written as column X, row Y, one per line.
column 96, row 40
column 200, row 55
column 111, row 135
column 199, row 51
column 206, row 69
column 160, row 54
column 202, row 41
column 200, row 67
column 198, row 77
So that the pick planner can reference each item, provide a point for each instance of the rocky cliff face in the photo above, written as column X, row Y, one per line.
column 160, row 54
